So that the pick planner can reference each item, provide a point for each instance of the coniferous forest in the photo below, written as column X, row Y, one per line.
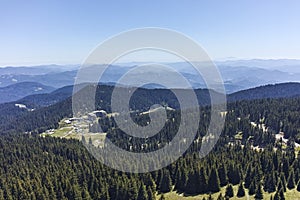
column 246, row 156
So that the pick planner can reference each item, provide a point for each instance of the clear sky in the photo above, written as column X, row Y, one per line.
column 61, row 31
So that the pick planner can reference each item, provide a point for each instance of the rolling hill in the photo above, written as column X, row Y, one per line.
column 19, row 90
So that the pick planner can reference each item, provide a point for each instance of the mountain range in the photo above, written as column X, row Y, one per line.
column 237, row 75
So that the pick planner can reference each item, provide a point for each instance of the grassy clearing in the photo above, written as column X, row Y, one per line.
column 289, row 195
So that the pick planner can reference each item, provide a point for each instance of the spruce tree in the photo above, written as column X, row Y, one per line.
column 283, row 180
column 259, row 193
column 276, row 196
column 252, row 188
column 150, row 193
column 192, row 183
column 202, row 187
column 165, row 184
column 248, row 178
column 286, row 167
column 229, row 191
column 222, row 175
column 281, row 195
column 142, row 195
column 233, row 175
column 213, row 181
column 291, row 181
column 241, row 190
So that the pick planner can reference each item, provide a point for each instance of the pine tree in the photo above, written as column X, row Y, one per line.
column 229, row 191
column 241, row 191
column 252, row 188
column 248, row 178
column 233, row 175
column 281, row 195
column 222, row 175
column 283, row 181
column 280, row 185
column 192, row 183
column 286, row 167
column 259, row 193
column 181, row 180
column 151, row 195
column 142, row 195
column 276, row 196
column 202, row 187
column 291, row 181
column 165, row 184
column 270, row 183
column 213, row 181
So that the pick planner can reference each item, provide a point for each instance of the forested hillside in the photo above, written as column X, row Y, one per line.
column 249, row 155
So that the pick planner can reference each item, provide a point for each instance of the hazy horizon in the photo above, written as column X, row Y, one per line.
column 38, row 33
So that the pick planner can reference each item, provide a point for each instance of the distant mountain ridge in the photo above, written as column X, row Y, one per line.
column 282, row 90
column 45, row 115
column 237, row 75
column 19, row 90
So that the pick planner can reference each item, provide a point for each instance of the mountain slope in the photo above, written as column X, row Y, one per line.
column 282, row 90
column 47, row 116
column 20, row 90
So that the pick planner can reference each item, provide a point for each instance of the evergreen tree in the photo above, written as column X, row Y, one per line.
column 286, row 167
column 181, row 180
column 291, row 181
column 165, row 184
column 202, row 187
column 229, row 191
column 252, row 188
column 241, row 191
column 151, row 195
column 248, row 177
column 222, row 175
column 281, row 184
column 276, row 196
column 192, row 183
column 233, row 175
column 142, row 195
column 281, row 195
column 213, row 181
column 270, row 183
column 259, row 193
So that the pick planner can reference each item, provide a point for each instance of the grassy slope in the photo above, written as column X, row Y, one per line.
column 289, row 195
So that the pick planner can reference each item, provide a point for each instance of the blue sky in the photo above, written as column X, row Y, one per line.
column 61, row 32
